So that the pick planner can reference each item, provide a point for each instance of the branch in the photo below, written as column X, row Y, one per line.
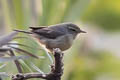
column 16, row 62
column 55, row 73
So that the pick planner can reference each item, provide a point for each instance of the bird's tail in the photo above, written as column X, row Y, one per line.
column 23, row 31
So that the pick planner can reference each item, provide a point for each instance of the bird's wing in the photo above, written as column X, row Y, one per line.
column 47, row 32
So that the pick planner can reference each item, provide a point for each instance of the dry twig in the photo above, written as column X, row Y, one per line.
column 55, row 73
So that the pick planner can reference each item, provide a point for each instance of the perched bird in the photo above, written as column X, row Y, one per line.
column 55, row 36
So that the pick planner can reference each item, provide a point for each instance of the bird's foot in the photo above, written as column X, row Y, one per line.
column 56, row 50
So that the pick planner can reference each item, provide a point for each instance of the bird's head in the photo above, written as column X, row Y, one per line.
column 73, row 28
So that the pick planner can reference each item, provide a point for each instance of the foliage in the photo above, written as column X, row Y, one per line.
column 79, row 65
column 105, row 14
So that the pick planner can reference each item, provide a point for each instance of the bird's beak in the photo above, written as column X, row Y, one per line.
column 82, row 31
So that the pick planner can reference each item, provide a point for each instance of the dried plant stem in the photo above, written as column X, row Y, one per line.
column 55, row 73
column 16, row 62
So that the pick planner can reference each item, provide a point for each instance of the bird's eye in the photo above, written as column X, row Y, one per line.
column 72, row 29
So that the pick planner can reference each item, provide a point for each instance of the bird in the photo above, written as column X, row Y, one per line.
column 55, row 36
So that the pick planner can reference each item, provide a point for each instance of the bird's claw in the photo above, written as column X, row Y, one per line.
column 57, row 50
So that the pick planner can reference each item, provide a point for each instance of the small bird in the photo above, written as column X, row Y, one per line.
column 55, row 36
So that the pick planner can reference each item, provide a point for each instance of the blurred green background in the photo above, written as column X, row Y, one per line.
column 93, row 56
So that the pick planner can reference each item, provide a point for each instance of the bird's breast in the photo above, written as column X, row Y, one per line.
column 63, row 42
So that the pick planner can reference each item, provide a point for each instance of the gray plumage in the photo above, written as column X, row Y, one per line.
column 56, row 36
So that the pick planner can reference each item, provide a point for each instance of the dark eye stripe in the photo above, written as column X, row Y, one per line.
column 73, row 29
